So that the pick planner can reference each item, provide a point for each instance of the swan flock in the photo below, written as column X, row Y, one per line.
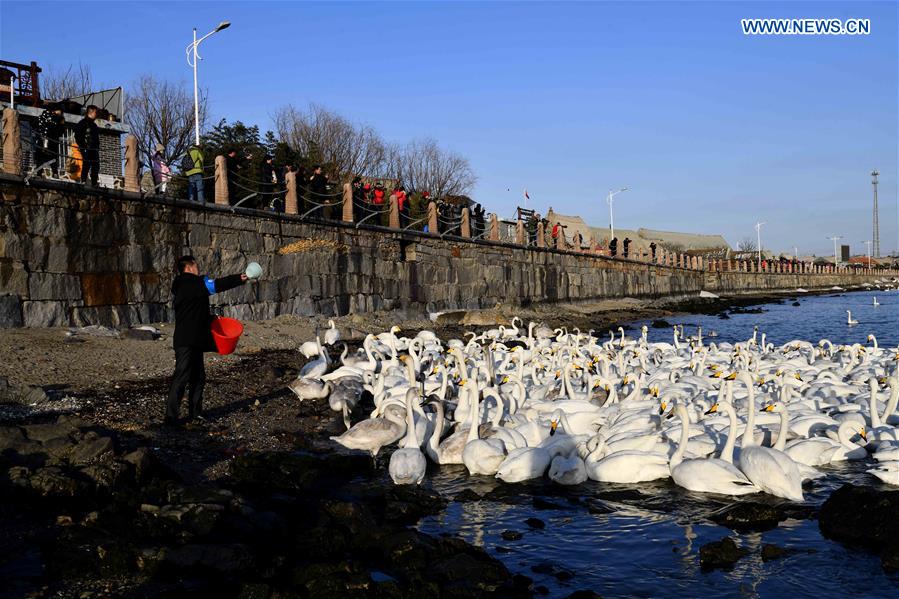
column 519, row 404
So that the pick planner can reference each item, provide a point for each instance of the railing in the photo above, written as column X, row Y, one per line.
column 233, row 189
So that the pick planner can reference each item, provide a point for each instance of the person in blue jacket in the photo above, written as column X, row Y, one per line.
column 193, row 334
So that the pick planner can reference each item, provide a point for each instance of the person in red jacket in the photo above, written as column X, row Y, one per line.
column 402, row 202
column 193, row 335
column 379, row 194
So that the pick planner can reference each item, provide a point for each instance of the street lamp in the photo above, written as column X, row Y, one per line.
column 834, row 239
column 758, row 233
column 868, row 243
column 192, row 57
column 611, row 198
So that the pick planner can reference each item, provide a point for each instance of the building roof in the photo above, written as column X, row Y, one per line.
column 641, row 238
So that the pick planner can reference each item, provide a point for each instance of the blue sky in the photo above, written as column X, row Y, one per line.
column 710, row 129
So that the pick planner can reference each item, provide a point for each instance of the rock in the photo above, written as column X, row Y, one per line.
column 91, row 450
column 228, row 559
column 543, row 568
column 45, row 432
column 10, row 435
column 95, row 330
column 863, row 516
column 535, row 523
column 541, row 504
column 889, row 559
column 51, row 481
column 140, row 335
column 511, row 535
column 796, row 304
column 106, row 476
column 143, row 462
column 660, row 324
column 772, row 552
column 721, row 554
column 749, row 516
column 584, row 594
column 10, row 312
column 466, row 495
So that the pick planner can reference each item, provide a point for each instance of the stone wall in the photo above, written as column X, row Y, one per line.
column 71, row 256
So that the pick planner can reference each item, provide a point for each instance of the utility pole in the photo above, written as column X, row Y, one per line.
column 834, row 239
column 876, row 238
column 795, row 254
column 758, row 233
column 611, row 198
column 868, row 243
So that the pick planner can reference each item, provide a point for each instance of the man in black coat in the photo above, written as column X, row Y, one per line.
column 87, row 135
column 193, row 334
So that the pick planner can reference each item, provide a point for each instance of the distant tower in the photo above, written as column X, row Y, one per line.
column 876, row 237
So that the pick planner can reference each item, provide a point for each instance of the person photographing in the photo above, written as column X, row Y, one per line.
column 193, row 335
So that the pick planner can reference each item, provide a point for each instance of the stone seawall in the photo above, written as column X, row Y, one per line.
column 71, row 256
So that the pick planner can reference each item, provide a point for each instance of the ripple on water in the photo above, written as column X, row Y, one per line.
column 643, row 541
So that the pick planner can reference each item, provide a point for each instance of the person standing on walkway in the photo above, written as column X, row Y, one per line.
column 193, row 335
column 192, row 165
column 160, row 168
column 402, row 203
column 87, row 136
column 318, row 191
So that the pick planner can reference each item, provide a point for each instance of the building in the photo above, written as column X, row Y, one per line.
column 688, row 243
column 20, row 88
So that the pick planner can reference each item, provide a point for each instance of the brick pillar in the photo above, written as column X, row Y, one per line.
column 290, row 198
column 541, row 235
column 347, row 203
column 521, row 236
column 394, row 217
column 221, row 181
column 494, row 227
column 466, row 222
column 132, row 179
column 432, row 219
column 12, row 143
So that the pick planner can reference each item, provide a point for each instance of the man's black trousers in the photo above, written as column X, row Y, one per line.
column 90, row 168
column 191, row 375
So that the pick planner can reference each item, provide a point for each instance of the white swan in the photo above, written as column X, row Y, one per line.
column 480, row 456
column 769, row 469
column 408, row 464
column 523, row 464
column 567, row 470
column 876, row 303
column 373, row 434
column 332, row 335
column 849, row 319
column 708, row 475
column 627, row 466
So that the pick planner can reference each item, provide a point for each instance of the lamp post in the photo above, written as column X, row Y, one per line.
column 834, row 239
column 610, row 199
column 192, row 57
column 868, row 243
column 795, row 254
column 758, row 233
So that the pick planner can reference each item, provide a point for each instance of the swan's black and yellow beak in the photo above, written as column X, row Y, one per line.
column 863, row 434
column 670, row 414
column 712, row 410
column 798, row 377
column 662, row 407
column 625, row 380
column 769, row 408
column 462, row 382
column 552, row 427
column 761, row 381
column 654, row 391
column 731, row 377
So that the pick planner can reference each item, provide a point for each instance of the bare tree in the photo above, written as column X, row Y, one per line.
column 423, row 166
column 162, row 112
column 342, row 148
column 747, row 244
column 59, row 84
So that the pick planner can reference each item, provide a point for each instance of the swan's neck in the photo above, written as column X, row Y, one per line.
column 727, row 454
column 784, row 428
column 748, row 438
column 474, row 408
column 411, row 439
column 678, row 456
column 434, row 441
column 875, row 415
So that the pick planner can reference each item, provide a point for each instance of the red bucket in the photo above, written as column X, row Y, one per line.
column 225, row 333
